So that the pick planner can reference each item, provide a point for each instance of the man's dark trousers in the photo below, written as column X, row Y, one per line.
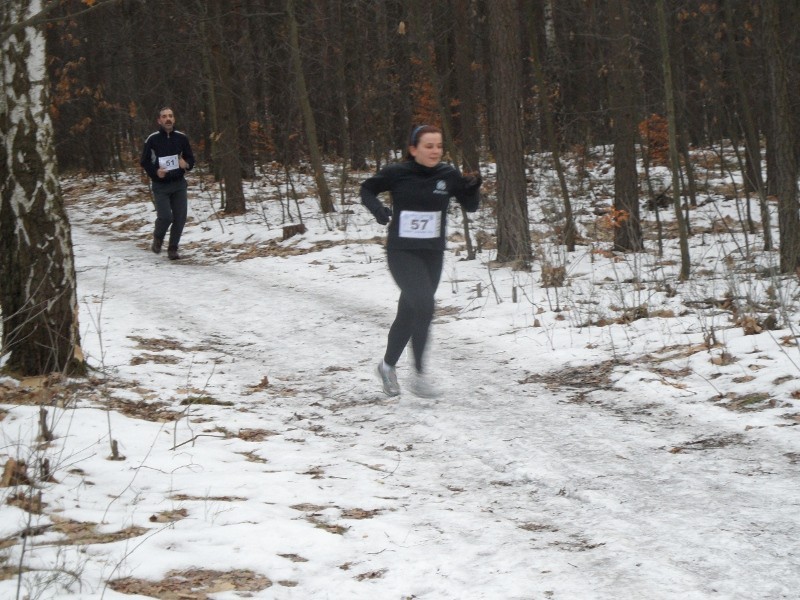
column 171, row 209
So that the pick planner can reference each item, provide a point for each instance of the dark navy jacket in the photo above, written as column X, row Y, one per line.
column 419, row 194
column 161, row 144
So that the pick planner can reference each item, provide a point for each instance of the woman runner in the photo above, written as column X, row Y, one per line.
column 421, row 188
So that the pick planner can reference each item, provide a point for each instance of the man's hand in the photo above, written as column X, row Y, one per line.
column 162, row 173
column 183, row 164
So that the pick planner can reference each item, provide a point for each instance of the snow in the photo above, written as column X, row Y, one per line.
column 572, row 455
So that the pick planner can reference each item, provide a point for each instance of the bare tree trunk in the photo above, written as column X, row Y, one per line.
column 513, row 233
column 345, row 149
column 468, row 117
column 783, row 128
column 569, row 233
column 673, row 140
column 622, row 92
column 326, row 203
column 37, row 270
column 226, row 138
column 752, row 146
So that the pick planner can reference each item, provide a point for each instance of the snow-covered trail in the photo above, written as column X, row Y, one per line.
column 498, row 490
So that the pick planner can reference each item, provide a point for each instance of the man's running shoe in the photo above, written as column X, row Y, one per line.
column 388, row 376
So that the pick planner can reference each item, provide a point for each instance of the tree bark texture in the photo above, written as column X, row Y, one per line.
column 569, row 232
column 226, row 136
column 753, row 180
column 37, row 272
column 622, row 98
column 325, row 200
column 513, row 233
column 467, row 113
column 784, row 131
column 669, row 95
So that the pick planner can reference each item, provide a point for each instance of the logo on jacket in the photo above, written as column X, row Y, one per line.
column 441, row 187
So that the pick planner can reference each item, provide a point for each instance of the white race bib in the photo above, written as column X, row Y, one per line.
column 414, row 224
column 170, row 163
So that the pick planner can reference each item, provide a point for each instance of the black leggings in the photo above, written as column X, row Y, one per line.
column 417, row 273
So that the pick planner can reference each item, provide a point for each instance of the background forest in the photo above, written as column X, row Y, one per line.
column 260, row 81
column 332, row 88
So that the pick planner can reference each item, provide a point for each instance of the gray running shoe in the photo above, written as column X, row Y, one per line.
column 422, row 386
column 388, row 376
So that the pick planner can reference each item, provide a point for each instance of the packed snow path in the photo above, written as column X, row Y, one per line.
column 504, row 488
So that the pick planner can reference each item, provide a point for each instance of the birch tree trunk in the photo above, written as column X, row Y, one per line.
column 37, row 271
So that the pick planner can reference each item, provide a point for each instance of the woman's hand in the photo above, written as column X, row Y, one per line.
column 472, row 181
column 384, row 215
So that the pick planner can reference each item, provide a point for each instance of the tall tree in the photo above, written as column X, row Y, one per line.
column 669, row 94
column 467, row 106
column 465, row 85
column 225, row 113
column 323, row 191
column 37, row 271
column 513, row 232
column 755, row 179
column 569, row 232
column 775, row 16
column 622, row 100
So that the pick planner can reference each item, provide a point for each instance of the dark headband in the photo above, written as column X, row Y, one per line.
column 415, row 134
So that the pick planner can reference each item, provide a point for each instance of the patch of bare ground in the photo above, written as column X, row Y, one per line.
column 86, row 533
column 371, row 575
column 313, row 516
column 49, row 390
column 538, row 527
column 156, row 412
column 255, row 435
column 186, row 497
column 595, row 376
column 30, row 502
column 121, row 223
column 258, row 387
column 253, row 457
column 710, row 443
column 169, row 516
column 162, row 344
column 152, row 348
column 159, row 359
column 793, row 417
column 360, row 513
column 577, row 544
column 746, row 402
column 193, row 584
column 206, row 400
column 277, row 248
column 294, row 558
